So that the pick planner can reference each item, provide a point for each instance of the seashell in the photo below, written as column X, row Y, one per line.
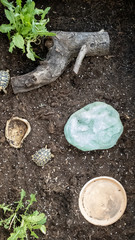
column 17, row 129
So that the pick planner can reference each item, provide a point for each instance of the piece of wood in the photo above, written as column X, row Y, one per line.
column 62, row 49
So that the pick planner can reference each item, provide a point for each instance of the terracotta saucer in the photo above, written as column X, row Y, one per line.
column 102, row 201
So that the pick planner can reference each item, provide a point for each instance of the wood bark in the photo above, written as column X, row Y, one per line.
column 62, row 49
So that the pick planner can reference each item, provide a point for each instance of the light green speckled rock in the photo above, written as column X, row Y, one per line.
column 95, row 126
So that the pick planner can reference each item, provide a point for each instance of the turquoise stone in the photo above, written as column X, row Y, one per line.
column 95, row 126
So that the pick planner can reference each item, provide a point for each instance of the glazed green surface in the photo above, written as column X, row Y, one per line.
column 95, row 126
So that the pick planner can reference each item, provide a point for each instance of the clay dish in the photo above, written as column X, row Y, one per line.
column 17, row 129
column 102, row 201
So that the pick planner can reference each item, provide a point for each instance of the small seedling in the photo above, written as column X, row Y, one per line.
column 22, row 222
column 27, row 24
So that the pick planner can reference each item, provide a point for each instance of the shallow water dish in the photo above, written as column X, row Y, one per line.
column 102, row 201
column 17, row 129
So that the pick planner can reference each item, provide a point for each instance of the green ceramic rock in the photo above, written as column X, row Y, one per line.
column 95, row 126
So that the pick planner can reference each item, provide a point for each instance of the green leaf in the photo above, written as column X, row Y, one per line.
column 27, row 19
column 5, row 208
column 13, row 236
column 17, row 9
column 34, row 219
column 19, row 3
column 5, row 28
column 1, row 222
column 34, row 234
column 9, row 16
column 25, row 30
column 7, row 4
column 38, row 11
column 23, row 194
column 43, row 229
column 6, row 224
column 32, row 199
column 43, row 221
column 7, row 221
column 30, row 54
column 19, row 232
column 45, row 12
column 12, row 46
column 29, row 7
column 36, row 227
column 50, row 34
column 21, row 223
column 19, row 42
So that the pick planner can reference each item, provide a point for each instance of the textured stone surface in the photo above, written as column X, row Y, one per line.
column 95, row 126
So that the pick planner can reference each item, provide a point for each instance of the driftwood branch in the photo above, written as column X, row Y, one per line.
column 62, row 49
column 81, row 55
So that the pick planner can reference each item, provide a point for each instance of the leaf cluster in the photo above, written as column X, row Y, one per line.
column 22, row 223
column 26, row 24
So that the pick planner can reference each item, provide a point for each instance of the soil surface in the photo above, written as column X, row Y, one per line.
column 108, row 79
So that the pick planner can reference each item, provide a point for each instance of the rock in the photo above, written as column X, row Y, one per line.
column 95, row 126
column 51, row 127
column 2, row 139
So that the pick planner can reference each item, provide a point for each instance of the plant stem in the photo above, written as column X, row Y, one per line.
column 12, row 221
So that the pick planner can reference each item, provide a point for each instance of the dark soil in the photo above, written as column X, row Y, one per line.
column 109, row 79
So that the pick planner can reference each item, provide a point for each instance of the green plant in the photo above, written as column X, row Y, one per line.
column 26, row 25
column 21, row 221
